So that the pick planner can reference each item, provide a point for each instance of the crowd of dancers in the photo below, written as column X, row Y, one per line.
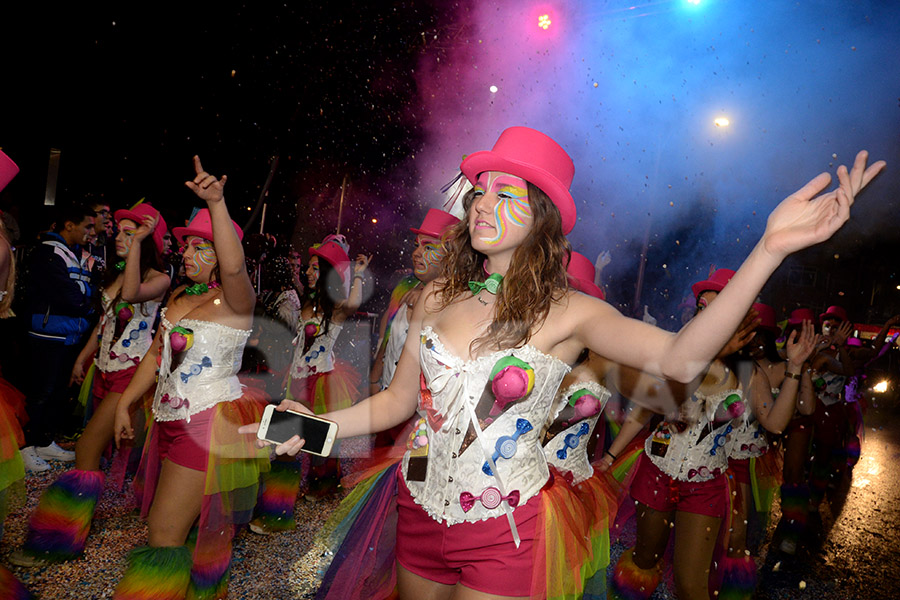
column 496, row 471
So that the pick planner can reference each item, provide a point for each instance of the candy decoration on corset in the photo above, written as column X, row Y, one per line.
column 571, row 441
column 124, row 312
column 181, row 340
column 134, row 334
column 490, row 498
column 508, row 445
column 731, row 408
column 511, row 379
column 586, row 404
column 197, row 369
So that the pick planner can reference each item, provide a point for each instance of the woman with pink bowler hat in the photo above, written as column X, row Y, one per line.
column 834, row 424
column 496, row 335
column 316, row 378
column 195, row 467
column 777, row 390
column 131, row 295
column 12, row 405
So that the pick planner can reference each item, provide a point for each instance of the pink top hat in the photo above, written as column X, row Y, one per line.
column 436, row 222
column 581, row 275
column 138, row 214
column 716, row 283
column 767, row 317
column 336, row 256
column 533, row 156
column 834, row 312
column 201, row 226
column 798, row 315
column 8, row 169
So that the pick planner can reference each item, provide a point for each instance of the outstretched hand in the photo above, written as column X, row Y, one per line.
column 290, row 447
column 799, row 347
column 206, row 186
column 808, row 216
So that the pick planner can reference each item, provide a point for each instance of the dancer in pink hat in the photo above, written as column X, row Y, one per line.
column 130, row 296
column 496, row 335
column 195, row 468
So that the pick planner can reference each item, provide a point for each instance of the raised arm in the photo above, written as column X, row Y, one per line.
column 804, row 218
column 236, row 286
column 134, row 289
column 354, row 299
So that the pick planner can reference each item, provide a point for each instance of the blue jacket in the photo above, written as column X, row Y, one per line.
column 59, row 295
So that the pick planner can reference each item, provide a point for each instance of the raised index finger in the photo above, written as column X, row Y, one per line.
column 197, row 166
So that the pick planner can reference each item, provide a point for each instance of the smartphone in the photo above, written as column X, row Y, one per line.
column 278, row 427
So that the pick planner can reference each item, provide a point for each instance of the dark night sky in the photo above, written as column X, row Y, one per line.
column 392, row 94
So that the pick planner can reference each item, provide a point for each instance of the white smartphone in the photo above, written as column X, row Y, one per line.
column 278, row 427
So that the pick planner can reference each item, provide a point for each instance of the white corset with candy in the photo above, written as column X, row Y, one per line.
column 463, row 469
column 695, row 448
column 748, row 440
column 319, row 358
column 566, row 441
column 198, row 367
column 126, row 333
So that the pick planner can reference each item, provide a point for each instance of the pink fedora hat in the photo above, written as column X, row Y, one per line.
column 8, row 170
column 716, row 283
column 581, row 275
column 335, row 254
column 834, row 312
column 436, row 222
column 766, row 317
column 141, row 212
column 201, row 226
column 533, row 156
column 798, row 315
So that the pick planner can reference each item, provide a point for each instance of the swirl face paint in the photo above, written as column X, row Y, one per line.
column 125, row 238
column 202, row 258
column 427, row 256
column 512, row 208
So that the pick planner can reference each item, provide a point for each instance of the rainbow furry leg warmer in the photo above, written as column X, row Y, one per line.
column 156, row 574
column 59, row 526
column 275, row 506
column 738, row 578
column 11, row 588
column 794, row 509
column 211, row 569
column 630, row 582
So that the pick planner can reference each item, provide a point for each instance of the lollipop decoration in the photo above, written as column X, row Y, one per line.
column 586, row 404
column 181, row 340
column 731, row 408
column 124, row 311
column 511, row 379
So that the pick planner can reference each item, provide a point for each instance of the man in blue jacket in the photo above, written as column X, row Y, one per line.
column 59, row 301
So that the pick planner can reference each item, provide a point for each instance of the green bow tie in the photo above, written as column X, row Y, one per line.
column 120, row 266
column 491, row 284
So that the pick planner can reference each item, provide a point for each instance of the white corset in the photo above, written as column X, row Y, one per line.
column 394, row 346
column 452, row 391
column 206, row 373
column 320, row 356
column 134, row 340
column 748, row 440
column 700, row 452
column 567, row 450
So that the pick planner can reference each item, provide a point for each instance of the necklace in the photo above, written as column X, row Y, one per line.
column 200, row 288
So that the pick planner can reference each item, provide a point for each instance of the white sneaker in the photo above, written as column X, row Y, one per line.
column 54, row 452
column 33, row 462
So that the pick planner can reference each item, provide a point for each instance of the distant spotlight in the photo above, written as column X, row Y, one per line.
column 544, row 22
column 694, row 2
column 374, row 220
column 493, row 89
column 881, row 386
column 898, row 287
column 722, row 122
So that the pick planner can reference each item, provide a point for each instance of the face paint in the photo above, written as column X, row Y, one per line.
column 432, row 254
column 701, row 304
column 312, row 273
column 512, row 208
column 204, row 255
column 125, row 238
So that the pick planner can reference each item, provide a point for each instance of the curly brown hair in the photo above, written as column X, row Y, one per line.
column 536, row 276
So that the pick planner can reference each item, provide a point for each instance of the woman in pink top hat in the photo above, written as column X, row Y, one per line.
column 58, row 528
column 195, row 468
column 497, row 333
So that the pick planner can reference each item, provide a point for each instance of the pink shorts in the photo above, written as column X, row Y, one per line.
column 663, row 493
column 481, row 556
column 740, row 468
column 114, row 382
column 186, row 443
